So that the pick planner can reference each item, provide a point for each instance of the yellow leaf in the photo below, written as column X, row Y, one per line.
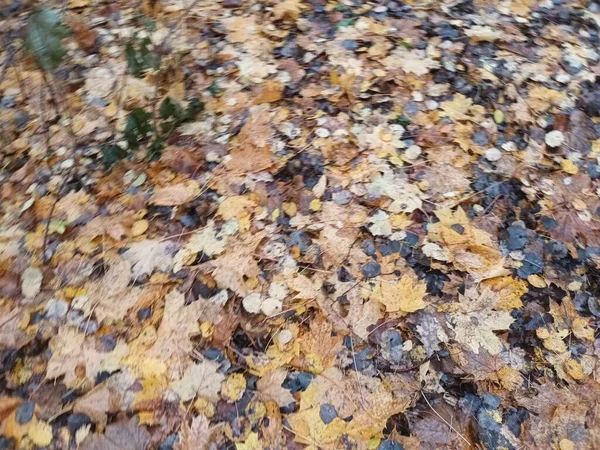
column 233, row 388
column 569, row 167
column 41, row 434
column 251, row 443
column 457, row 108
column 574, row 369
column 405, row 297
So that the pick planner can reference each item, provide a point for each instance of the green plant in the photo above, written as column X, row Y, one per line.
column 142, row 128
column 140, row 57
column 43, row 37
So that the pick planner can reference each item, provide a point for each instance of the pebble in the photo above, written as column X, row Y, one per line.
column 322, row 132
column 327, row 413
column 371, row 270
column 412, row 152
column 24, row 412
column 555, row 138
column 284, row 336
column 21, row 118
column 56, row 308
column 417, row 96
column 493, row 154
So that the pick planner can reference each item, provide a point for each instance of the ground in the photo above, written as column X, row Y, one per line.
column 266, row 224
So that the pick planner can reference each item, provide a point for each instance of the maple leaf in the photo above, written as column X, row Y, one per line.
column 232, row 269
column 179, row 323
column 199, row 435
column 119, row 436
column 269, row 388
column 320, row 346
column 206, row 240
column 457, row 108
column 71, row 349
column 199, row 380
column 149, row 255
column 476, row 319
column 402, row 298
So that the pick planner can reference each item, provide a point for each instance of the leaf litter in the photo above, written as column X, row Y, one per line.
column 300, row 224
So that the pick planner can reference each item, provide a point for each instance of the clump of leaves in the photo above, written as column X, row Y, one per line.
column 140, row 127
column 140, row 56
column 43, row 37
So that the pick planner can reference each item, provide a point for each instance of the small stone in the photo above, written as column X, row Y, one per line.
column 24, row 412
column 493, row 154
column 232, row 3
column 21, row 118
column 56, row 308
column 350, row 44
column 481, row 137
column 284, row 337
column 322, row 132
column 371, row 270
column 417, row 96
column 31, row 282
column 327, row 413
column 555, row 138
column 509, row 146
column 412, row 152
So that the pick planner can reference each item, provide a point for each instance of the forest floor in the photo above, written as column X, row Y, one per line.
column 266, row 224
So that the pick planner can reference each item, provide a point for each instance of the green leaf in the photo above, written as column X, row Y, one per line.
column 140, row 57
column 401, row 120
column 345, row 23
column 44, row 33
column 112, row 154
column 194, row 107
column 139, row 124
column 155, row 149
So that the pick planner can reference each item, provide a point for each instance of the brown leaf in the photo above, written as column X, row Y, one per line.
column 124, row 435
column 269, row 388
column 176, row 195
column 97, row 403
column 199, row 435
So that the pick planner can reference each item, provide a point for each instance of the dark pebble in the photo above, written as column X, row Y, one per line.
column 517, row 237
column 491, row 401
column 350, row 44
column 108, row 343
column 21, row 118
column 8, row 101
column 458, row 228
column 24, row 412
column 532, row 265
column 7, row 443
column 390, row 445
column 513, row 419
column 76, row 421
column 327, row 413
column 368, row 247
column 143, row 314
column 549, row 223
column 298, row 381
column 481, row 138
column 169, row 442
column 232, row 3
column 214, row 354
column 371, row 270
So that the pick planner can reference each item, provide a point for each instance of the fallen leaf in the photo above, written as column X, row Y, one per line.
column 270, row 389
column 199, row 380
column 176, row 195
